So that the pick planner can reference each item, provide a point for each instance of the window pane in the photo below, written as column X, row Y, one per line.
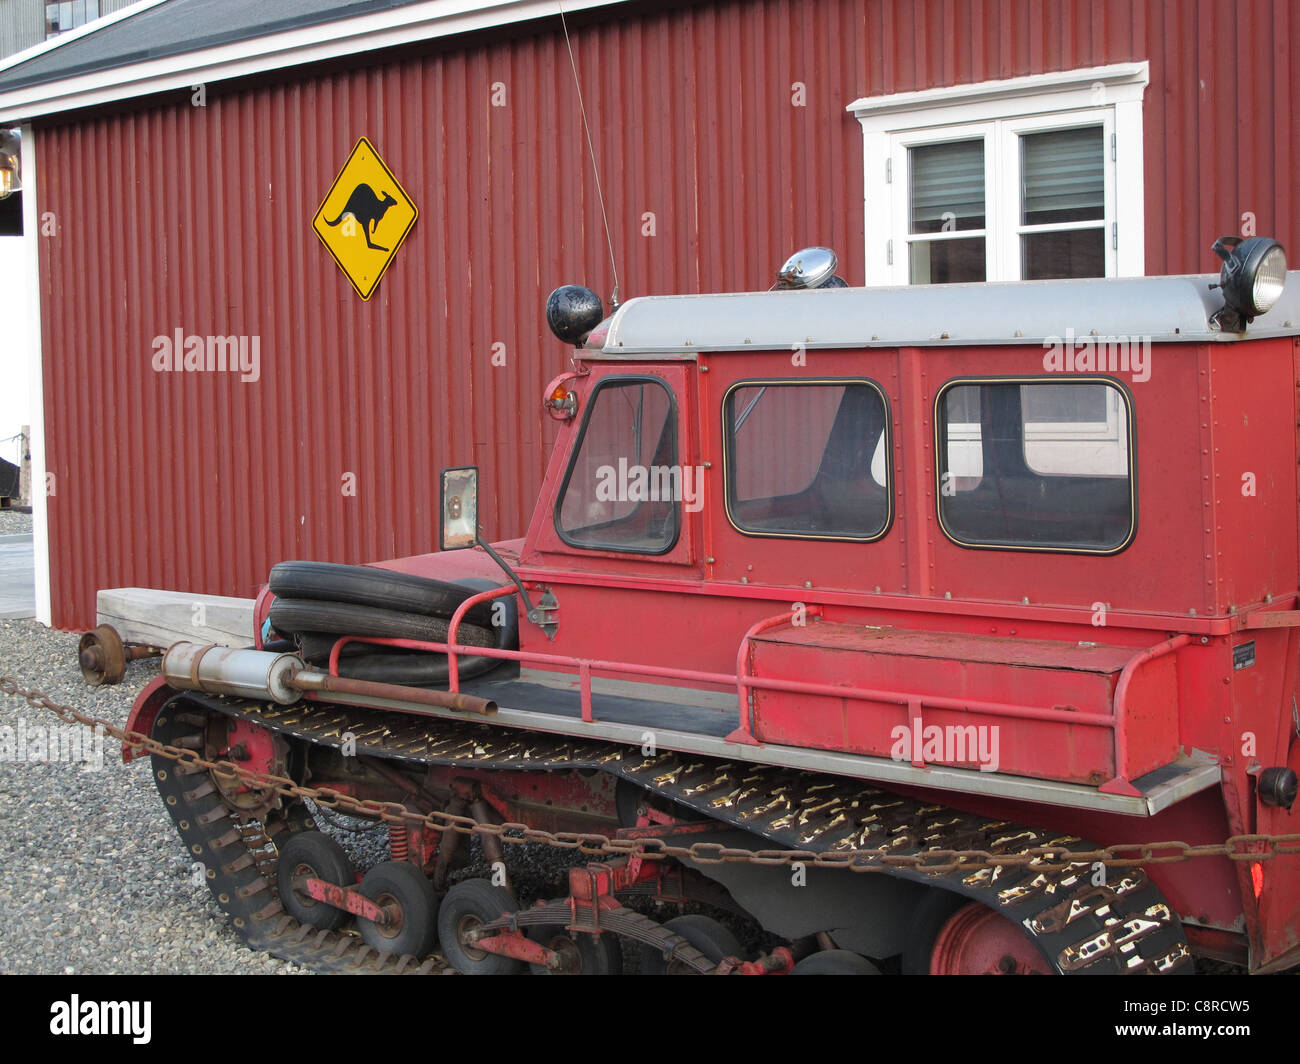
column 1061, row 176
column 1074, row 430
column 808, row 460
column 624, row 486
column 1012, row 481
column 947, row 261
column 1073, row 253
column 947, row 186
column 1063, row 403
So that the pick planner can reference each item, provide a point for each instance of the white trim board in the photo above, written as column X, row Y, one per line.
column 29, row 298
column 428, row 20
column 1117, row 89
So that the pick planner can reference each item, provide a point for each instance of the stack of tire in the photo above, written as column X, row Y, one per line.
column 317, row 602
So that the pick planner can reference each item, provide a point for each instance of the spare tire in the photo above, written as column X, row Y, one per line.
column 305, row 615
column 366, row 585
column 412, row 669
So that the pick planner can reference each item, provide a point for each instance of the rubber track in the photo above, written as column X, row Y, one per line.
column 1125, row 927
column 241, row 873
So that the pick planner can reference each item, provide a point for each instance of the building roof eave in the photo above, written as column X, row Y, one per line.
column 392, row 27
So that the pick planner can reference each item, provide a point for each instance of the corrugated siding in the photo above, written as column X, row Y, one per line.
column 199, row 219
column 22, row 24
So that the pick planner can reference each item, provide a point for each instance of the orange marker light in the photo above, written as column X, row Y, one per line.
column 1257, row 877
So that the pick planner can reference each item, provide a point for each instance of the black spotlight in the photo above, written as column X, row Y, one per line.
column 1277, row 786
column 572, row 311
column 1252, row 277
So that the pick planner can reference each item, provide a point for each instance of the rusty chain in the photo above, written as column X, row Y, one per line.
column 1047, row 858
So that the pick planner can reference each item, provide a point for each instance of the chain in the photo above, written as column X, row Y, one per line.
column 1046, row 858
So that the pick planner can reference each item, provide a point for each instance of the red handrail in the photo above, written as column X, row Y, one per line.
column 744, row 682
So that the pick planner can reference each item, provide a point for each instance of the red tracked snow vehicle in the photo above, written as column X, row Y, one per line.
column 860, row 573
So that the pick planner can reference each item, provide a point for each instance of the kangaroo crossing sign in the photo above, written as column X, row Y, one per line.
column 364, row 218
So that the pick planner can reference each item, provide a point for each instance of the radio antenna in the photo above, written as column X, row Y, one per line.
column 591, row 151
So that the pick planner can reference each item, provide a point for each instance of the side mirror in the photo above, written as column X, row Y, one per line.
column 458, row 527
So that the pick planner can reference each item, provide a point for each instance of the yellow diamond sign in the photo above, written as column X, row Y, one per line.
column 364, row 218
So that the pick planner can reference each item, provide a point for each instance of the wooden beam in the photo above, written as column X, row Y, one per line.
column 161, row 618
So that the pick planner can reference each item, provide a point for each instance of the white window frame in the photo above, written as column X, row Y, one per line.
column 1002, row 111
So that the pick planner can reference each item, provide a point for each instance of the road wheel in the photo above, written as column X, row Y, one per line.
column 580, row 953
column 835, row 962
column 951, row 935
column 315, row 855
column 469, row 905
column 708, row 936
column 405, row 893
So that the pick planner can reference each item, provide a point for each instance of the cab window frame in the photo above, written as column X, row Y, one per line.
column 1072, row 380
column 729, row 464
column 673, row 425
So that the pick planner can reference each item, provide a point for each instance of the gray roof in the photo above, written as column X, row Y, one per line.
column 180, row 26
column 1163, row 309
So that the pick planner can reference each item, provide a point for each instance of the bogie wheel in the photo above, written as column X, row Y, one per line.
column 704, row 933
column 468, row 906
column 407, row 896
column 580, row 953
column 835, row 962
column 951, row 935
column 313, row 855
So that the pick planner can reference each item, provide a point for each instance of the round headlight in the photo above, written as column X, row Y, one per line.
column 1253, row 274
column 1270, row 278
column 809, row 268
column 572, row 311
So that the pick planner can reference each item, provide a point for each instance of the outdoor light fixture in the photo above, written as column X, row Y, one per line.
column 11, row 168
column 1252, row 277
column 810, row 268
column 572, row 311
column 459, row 525
column 1277, row 786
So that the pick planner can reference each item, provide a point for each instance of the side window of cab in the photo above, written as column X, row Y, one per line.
column 622, row 490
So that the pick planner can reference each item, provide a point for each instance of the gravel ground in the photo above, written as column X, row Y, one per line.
column 13, row 523
column 95, row 878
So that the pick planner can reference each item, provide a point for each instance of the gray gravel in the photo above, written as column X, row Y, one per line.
column 95, row 880
column 13, row 523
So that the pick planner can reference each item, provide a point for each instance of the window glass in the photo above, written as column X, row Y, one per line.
column 624, row 488
column 1062, row 182
column 808, row 459
column 1039, row 464
column 946, row 197
column 68, row 15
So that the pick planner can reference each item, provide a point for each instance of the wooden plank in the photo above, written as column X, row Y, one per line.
column 160, row 618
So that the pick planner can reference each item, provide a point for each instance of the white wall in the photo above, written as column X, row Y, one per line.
column 17, row 333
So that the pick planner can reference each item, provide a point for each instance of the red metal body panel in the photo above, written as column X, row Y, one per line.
column 1054, row 696
column 202, row 483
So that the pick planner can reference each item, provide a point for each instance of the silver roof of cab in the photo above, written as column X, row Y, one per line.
column 1165, row 309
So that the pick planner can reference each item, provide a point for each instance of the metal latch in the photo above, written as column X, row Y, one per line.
column 541, row 614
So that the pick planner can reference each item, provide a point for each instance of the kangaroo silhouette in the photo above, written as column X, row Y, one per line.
column 367, row 209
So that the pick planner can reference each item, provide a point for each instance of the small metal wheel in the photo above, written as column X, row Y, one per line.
column 469, row 905
column 102, row 656
column 951, row 935
column 580, row 953
column 835, row 962
column 313, row 855
column 708, row 936
column 407, row 896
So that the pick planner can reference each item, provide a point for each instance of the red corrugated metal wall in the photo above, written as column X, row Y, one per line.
column 198, row 218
